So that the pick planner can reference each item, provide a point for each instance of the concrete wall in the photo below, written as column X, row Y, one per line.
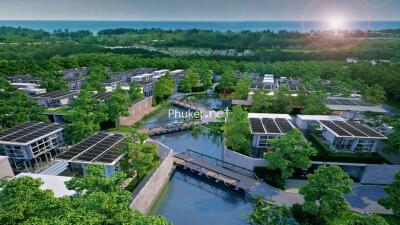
column 241, row 160
column 5, row 168
column 145, row 195
column 137, row 111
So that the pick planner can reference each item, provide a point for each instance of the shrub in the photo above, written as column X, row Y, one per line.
column 272, row 177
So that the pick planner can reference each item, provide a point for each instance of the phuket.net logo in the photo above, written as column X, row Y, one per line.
column 191, row 114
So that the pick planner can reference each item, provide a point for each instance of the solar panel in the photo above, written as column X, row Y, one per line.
column 54, row 94
column 17, row 128
column 335, row 128
column 102, row 96
column 256, row 126
column 284, row 125
column 112, row 154
column 95, row 147
column 353, row 131
column 38, row 133
column 366, row 130
column 270, row 126
column 24, row 132
column 348, row 101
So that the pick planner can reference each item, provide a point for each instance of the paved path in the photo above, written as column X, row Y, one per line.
column 364, row 199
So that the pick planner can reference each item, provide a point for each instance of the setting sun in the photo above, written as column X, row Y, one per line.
column 336, row 22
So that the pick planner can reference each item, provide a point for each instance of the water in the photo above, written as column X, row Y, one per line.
column 95, row 26
column 214, row 103
column 189, row 199
column 161, row 117
column 210, row 145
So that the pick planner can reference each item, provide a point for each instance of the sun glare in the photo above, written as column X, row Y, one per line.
column 336, row 22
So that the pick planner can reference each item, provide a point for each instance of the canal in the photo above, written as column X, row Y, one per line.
column 191, row 199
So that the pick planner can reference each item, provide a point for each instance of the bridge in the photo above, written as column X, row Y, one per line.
column 164, row 129
column 230, row 174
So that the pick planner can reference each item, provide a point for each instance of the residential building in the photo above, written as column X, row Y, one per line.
column 267, row 126
column 55, row 99
column 177, row 76
column 269, row 82
column 146, row 81
column 100, row 149
column 160, row 73
column 74, row 73
column 351, row 108
column 23, row 79
column 342, row 134
column 293, row 83
column 75, row 83
column 30, row 89
column 31, row 146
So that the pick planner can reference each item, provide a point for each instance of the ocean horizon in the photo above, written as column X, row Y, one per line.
column 95, row 26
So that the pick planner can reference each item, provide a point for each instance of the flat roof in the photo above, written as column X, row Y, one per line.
column 55, row 94
column 53, row 183
column 321, row 117
column 351, row 104
column 100, row 148
column 351, row 129
column 265, row 123
column 28, row 132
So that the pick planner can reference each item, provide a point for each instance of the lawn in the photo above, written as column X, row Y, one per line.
column 122, row 129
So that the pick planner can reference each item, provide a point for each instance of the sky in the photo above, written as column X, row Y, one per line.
column 199, row 10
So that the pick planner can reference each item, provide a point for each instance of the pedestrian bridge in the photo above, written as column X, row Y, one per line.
column 220, row 171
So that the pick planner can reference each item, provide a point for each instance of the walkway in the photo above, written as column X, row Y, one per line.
column 164, row 129
column 237, row 177
column 207, row 115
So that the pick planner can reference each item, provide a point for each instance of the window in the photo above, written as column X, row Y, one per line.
column 262, row 141
column 365, row 145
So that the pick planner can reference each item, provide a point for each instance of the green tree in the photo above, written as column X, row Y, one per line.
column 95, row 78
column 391, row 201
column 95, row 181
column 52, row 81
column 135, row 91
column 184, row 85
column 262, row 102
column 193, row 76
column 281, row 103
column 141, row 156
column 374, row 94
column 393, row 141
column 102, row 202
column 237, row 132
column 357, row 219
column 85, row 118
column 242, row 87
column 118, row 105
column 205, row 76
column 266, row 213
column 324, row 192
column 163, row 88
column 16, row 107
column 312, row 103
column 292, row 152
column 227, row 78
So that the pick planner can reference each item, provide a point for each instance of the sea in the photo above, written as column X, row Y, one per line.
column 95, row 26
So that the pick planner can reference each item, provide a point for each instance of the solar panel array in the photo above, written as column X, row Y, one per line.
column 270, row 125
column 101, row 147
column 54, row 94
column 284, row 125
column 351, row 129
column 366, row 130
column 29, row 131
column 256, row 126
column 102, row 96
column 358, row 102
column 335, row 128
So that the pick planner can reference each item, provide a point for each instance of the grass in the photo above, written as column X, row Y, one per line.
column 60, row 110
column 122, row 129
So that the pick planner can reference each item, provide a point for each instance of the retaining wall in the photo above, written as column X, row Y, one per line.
column 149, row 189
column 242, row 160
column 137, row 111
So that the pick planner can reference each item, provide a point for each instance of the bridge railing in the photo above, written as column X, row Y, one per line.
column 219, row 162
column 218, row 176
